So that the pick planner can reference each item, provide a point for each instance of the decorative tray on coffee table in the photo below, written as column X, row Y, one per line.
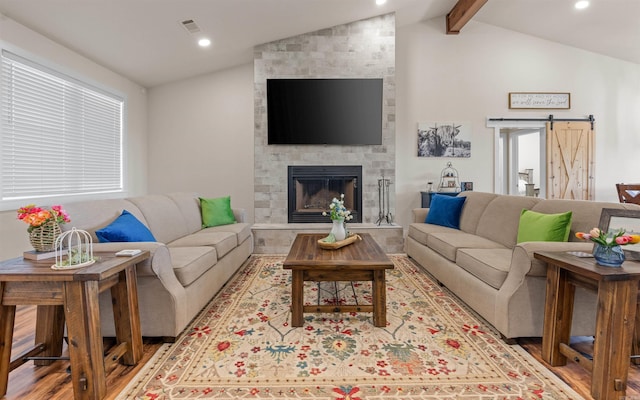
column 340, row 243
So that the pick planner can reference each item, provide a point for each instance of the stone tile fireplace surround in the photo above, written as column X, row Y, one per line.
column 362, row 49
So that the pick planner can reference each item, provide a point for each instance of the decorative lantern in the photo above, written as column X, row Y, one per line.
column 79, row 250
column 449, row 181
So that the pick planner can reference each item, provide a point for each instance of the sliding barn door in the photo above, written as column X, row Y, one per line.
column 570, row 160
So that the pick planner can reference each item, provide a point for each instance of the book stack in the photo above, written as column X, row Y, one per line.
column 40, row 255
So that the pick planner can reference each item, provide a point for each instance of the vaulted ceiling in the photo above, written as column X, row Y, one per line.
column 145, row 40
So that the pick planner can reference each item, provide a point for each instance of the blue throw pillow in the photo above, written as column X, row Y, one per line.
column 126, row 228
column 445, row 211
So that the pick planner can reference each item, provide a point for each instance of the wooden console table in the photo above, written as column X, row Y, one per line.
column 617, row 290
column 363, row 260
column 72, row 295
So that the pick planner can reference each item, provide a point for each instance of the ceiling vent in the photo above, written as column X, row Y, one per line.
column 191, row 26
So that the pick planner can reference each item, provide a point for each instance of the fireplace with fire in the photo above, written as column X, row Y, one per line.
column 311, row 189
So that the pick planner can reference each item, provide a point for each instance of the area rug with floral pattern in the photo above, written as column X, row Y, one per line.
column 433, row 347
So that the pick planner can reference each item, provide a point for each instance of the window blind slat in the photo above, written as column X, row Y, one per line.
column 59, row 135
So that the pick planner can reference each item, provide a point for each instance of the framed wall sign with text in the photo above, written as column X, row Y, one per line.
column 535, row 100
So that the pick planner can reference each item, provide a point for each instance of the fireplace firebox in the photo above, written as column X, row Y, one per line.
column 312, row 187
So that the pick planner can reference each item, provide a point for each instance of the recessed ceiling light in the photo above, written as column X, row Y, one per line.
column 582, row 4
column 380, row 2
column 204, row 42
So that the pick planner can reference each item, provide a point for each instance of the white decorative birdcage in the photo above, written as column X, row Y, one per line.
column 449, row 180
column 74, row 249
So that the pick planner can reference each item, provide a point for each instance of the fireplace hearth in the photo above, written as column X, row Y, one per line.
column 312, row 187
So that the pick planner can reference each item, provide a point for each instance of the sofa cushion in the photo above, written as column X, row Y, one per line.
column 216, row 211
column 447, row 243
column 474, row 206
column 491, row 266
column 241, row 230
column 420, row 231
column 223, row 242
column 499, row 221
column 96, row 214
column 163, row 217
column 585, row 213
column 445, row 211
column 189, row 263
column 189, row 205
column 539, row 227
column 125, row 228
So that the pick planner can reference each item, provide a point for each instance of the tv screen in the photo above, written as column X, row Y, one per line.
column 324, row 111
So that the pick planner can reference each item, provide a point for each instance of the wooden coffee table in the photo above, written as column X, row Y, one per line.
column 363, row 260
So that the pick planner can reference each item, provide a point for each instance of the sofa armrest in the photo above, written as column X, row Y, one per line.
column 523, row 260
column 117, row 246
column 240, row 214
column 158, row 264
column 524, row 265
column 419, row 214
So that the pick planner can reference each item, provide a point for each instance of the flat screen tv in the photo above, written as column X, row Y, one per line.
column 324, row 111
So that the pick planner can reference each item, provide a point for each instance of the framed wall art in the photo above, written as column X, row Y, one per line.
column 536, row 100
column 444, row 139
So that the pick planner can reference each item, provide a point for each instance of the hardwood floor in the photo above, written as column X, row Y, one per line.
column 575, row 375
column 53, row 382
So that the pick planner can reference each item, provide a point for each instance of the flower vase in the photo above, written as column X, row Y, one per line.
column 338, row 229
column 43, row 237
column 608, row 256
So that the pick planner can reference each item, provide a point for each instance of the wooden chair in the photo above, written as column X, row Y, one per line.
column 628, row 193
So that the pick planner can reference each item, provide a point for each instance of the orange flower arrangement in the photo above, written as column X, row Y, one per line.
column 36, row 216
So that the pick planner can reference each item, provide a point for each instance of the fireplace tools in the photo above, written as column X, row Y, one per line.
column 383, row 201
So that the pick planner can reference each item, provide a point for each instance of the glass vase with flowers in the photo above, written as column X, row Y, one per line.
column 607, row 250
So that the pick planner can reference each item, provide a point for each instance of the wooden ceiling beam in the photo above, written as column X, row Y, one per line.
column 462, row 13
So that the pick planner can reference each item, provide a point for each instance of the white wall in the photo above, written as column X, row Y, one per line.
column 19, row 39
column 468, row 77
column 201, row 129
column 201, row 136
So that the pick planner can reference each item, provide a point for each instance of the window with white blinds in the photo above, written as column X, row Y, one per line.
column 59, row 136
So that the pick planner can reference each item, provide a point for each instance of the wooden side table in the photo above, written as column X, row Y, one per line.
column 72, row 295
column 617, row 290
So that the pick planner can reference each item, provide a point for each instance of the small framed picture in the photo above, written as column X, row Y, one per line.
column 465, row 186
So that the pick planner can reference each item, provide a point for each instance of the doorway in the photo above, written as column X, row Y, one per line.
column 525, row 161
column 520, row 149
column 565, row 158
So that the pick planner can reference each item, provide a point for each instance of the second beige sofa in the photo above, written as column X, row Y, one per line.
column 497, row 277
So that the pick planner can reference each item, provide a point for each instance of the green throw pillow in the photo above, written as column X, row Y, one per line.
column 537, row 227
column 216, row 212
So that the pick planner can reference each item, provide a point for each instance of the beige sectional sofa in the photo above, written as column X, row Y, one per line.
column 188, row 264
column 484, row 266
